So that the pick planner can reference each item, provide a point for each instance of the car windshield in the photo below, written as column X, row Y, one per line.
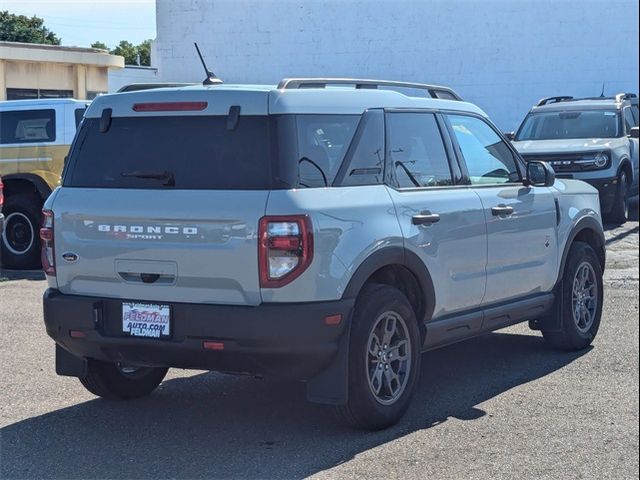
column 570, row 124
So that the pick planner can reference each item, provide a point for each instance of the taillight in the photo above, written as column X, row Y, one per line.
column 1, row 193
column 285, row 249
column 47, row 254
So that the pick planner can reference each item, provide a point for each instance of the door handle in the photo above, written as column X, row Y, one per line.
column 425, row 218
column 501, row 210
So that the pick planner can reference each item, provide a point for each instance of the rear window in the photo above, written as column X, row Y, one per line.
column 27, row 126
column 197, row 152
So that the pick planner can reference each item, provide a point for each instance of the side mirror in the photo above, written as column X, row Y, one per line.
column 510, row 136
column 634, row 132
column 540, row 174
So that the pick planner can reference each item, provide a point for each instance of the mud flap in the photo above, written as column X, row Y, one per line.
column 69, row 365
column 331, row 386
column 552, row 321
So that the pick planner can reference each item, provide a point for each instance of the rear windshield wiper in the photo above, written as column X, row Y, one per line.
column 170, row 181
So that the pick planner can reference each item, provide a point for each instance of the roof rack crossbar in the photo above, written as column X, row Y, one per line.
column 620, row 97
column 435, row 91
column 547, row 100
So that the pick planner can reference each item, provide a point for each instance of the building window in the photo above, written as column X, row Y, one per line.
column 29, row 93
column 27, row 126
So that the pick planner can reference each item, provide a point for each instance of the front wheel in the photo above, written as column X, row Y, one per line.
column 384, row 359
column 119, row 381
column 620, row 210
column 582, row 297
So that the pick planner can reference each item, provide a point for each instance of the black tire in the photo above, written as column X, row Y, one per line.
column 20, row 243
column 363, row 409
column 572, row 336
column 620, row 210
column 108, row 380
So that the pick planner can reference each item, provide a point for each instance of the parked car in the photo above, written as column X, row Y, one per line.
column 590, row 139
column 34, row 139
column 327, row 235
column 1, row 204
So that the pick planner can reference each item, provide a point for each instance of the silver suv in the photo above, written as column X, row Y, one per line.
column 314, row 231
column 590, row 139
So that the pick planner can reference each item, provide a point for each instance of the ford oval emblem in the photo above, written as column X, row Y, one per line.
column 70, row 257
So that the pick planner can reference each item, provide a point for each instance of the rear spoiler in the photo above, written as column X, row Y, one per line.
column 134, row 87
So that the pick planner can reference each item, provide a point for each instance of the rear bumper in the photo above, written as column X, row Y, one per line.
column 287, row 340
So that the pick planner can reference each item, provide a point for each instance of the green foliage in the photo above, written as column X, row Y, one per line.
column 20, row 28
column 144, row 50
column 126, row 50
column 130, row 52
column 99, row 45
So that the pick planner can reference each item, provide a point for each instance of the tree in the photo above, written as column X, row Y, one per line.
column 128, row 51
column 144, row 50
column 20, row 28
column 99, row 45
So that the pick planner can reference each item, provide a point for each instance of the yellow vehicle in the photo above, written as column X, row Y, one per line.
column 35, row 136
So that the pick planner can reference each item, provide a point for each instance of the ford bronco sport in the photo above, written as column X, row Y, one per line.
column 35, row 136
column 590, row 139
column 314, row 231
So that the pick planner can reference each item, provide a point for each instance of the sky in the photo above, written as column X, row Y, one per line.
column 82, row 22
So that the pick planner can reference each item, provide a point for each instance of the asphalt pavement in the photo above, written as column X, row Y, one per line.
column 504, row 405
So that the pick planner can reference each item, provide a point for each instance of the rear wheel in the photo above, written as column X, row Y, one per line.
column 620, row 210
column 581, row 300
column 20, row 239
column 119, row 381
column 384, row 359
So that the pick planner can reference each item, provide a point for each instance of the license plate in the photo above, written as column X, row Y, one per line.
column 146, row 320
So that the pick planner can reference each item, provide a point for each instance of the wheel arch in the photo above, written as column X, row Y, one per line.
column 587, row 230
column 625, row 165
column 25, row 183
column 403, row 269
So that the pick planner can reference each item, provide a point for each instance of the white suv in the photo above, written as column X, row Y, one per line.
column 590, row 139
column 314, row 231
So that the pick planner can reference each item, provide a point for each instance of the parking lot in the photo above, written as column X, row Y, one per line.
column 501, row 406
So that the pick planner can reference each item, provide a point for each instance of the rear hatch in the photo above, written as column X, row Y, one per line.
column 162, row 198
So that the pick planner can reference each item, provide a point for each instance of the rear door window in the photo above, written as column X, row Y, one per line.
column 27, row 126
column 197, row 152
column 416, row 150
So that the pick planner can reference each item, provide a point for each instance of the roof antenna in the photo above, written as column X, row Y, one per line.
column 211, row 77
column 602, row 93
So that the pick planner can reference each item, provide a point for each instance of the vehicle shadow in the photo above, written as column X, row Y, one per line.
column 211, row 425
column 21, row 274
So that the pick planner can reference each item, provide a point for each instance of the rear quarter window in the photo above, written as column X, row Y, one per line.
column 27, row 126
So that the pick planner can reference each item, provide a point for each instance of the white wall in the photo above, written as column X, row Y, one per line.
column 502, row 55
column 131, row 74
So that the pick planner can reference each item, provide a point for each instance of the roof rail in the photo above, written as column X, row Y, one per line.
column 435, row 91
column 547, row 100
column 625, row 96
